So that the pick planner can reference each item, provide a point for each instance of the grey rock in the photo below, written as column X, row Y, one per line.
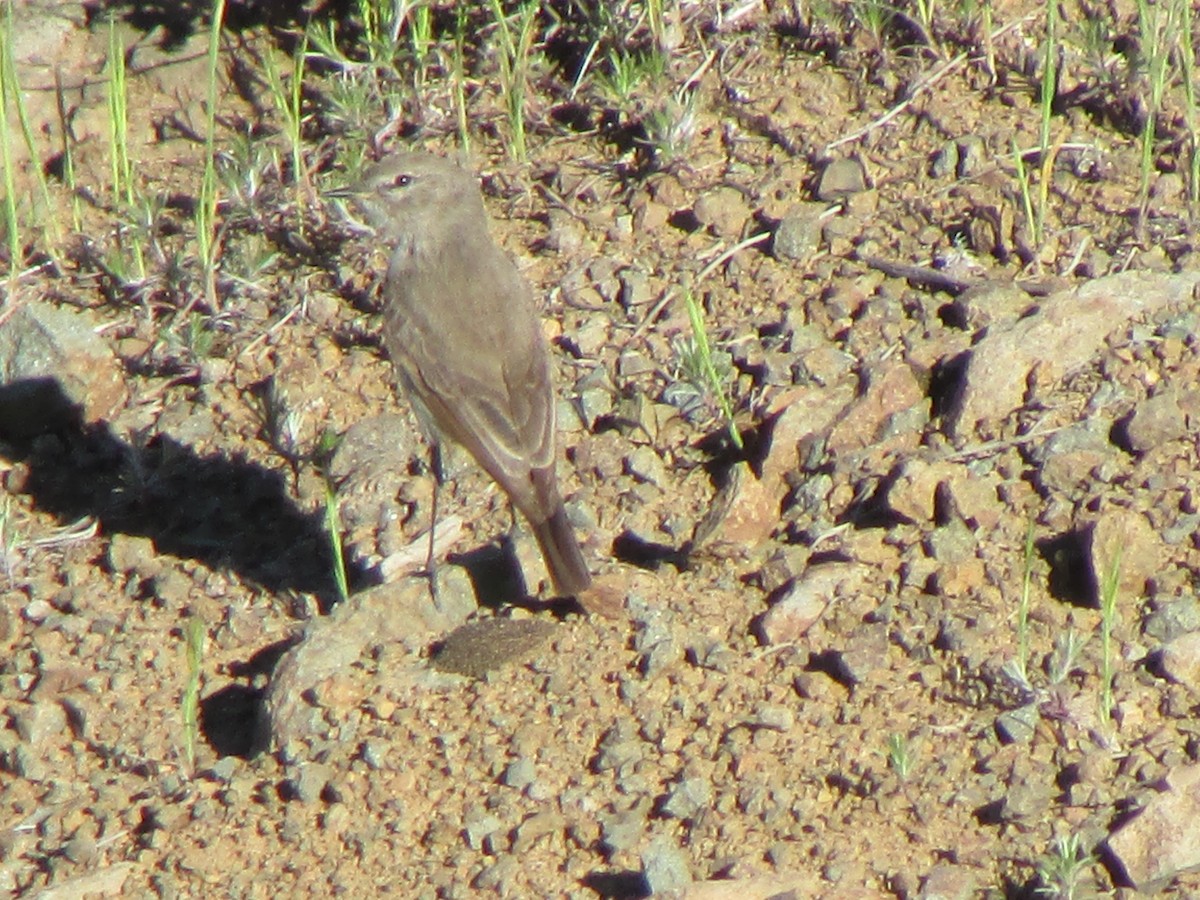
column 130, row 553
column 635, row 288
column 665, row 866
column 772, row 716
column 311, row 780
column 945, row 161
column 478, row 824
column 594, row 403
column 803, row 602
column 723, row 210
column 54, row 369
column 841, row 178
column 37, row 724
column 1028, row 800
column 798, row 234
column 498, row 877
column 622, row 830
column 972, row 156
column 225, row 768
column 1175, row 617
column 1180, row 659
column 866, row 651
column 646, row 465
column 1157, row 420
column 952, row 543
column 619, row 747
column 537, row 826
column 688, row 798
column 949, row 882
column 520, row 773
column 1017, row 725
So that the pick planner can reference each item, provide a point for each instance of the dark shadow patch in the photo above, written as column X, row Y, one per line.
column 1071, row 577
column 990, row 813
column 637, row 551
column 1118, row 435
column 229, row 720
column 946, row 383
column 224, row 512
column 265, row 660
column 177, row 21
column 495, row 573
column 830, row 662
column 618, row 885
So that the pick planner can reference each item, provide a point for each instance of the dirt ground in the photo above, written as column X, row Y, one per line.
column 802, row 673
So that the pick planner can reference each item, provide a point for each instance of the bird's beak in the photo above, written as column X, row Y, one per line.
column 344, row 200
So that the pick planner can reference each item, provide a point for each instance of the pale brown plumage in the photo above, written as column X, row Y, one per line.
column 463, row 334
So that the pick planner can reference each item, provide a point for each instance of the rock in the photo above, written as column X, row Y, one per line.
column 40, row 723
column 1066, row 459
column 311, row 780
column 841, row 178
column 798, row 234
column 723, row 210
column 536, row 827
column 945, row 160
column 54, row 369
column 990, row 305
column 388, row 613
column 949, row 882
column 1017, row 725
column 622, row 830
column 910, row 492
column 370, row 467
column 646, row 465
column 665, row 866
column 803, row 602
column 1126, row 539
column 635, row 288
column 1180, row 659
column 773, row 717
column 1068, row 329
column 565, row 234
column 749, row 507
column 878, row 414
column 1176, row 617
column 478, row 824
column 1162, row 841
column 951, row 544
column 132, row 553
column 866, row 651
column 687, row 799
column 765, row 887
column 1157, row 420
column 106, row 882
column 519, row 774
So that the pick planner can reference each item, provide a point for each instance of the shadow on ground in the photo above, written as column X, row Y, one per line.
column 227, row 513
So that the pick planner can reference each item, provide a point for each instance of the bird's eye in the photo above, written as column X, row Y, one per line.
column 402, row 180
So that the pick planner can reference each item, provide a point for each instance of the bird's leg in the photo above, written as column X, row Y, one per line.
column 435, row 464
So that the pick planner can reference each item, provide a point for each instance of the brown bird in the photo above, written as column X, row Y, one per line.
column 464, row 337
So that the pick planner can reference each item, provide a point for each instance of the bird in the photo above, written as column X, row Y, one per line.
column 465, row 340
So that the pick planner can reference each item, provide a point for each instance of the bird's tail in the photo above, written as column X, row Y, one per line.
column 560, row 550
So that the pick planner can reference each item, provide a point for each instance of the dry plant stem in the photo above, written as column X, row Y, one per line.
column 934, row 77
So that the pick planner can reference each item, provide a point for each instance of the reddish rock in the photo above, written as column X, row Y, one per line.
column 889, row 392
column 1162, row 841
column 1067, row 331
